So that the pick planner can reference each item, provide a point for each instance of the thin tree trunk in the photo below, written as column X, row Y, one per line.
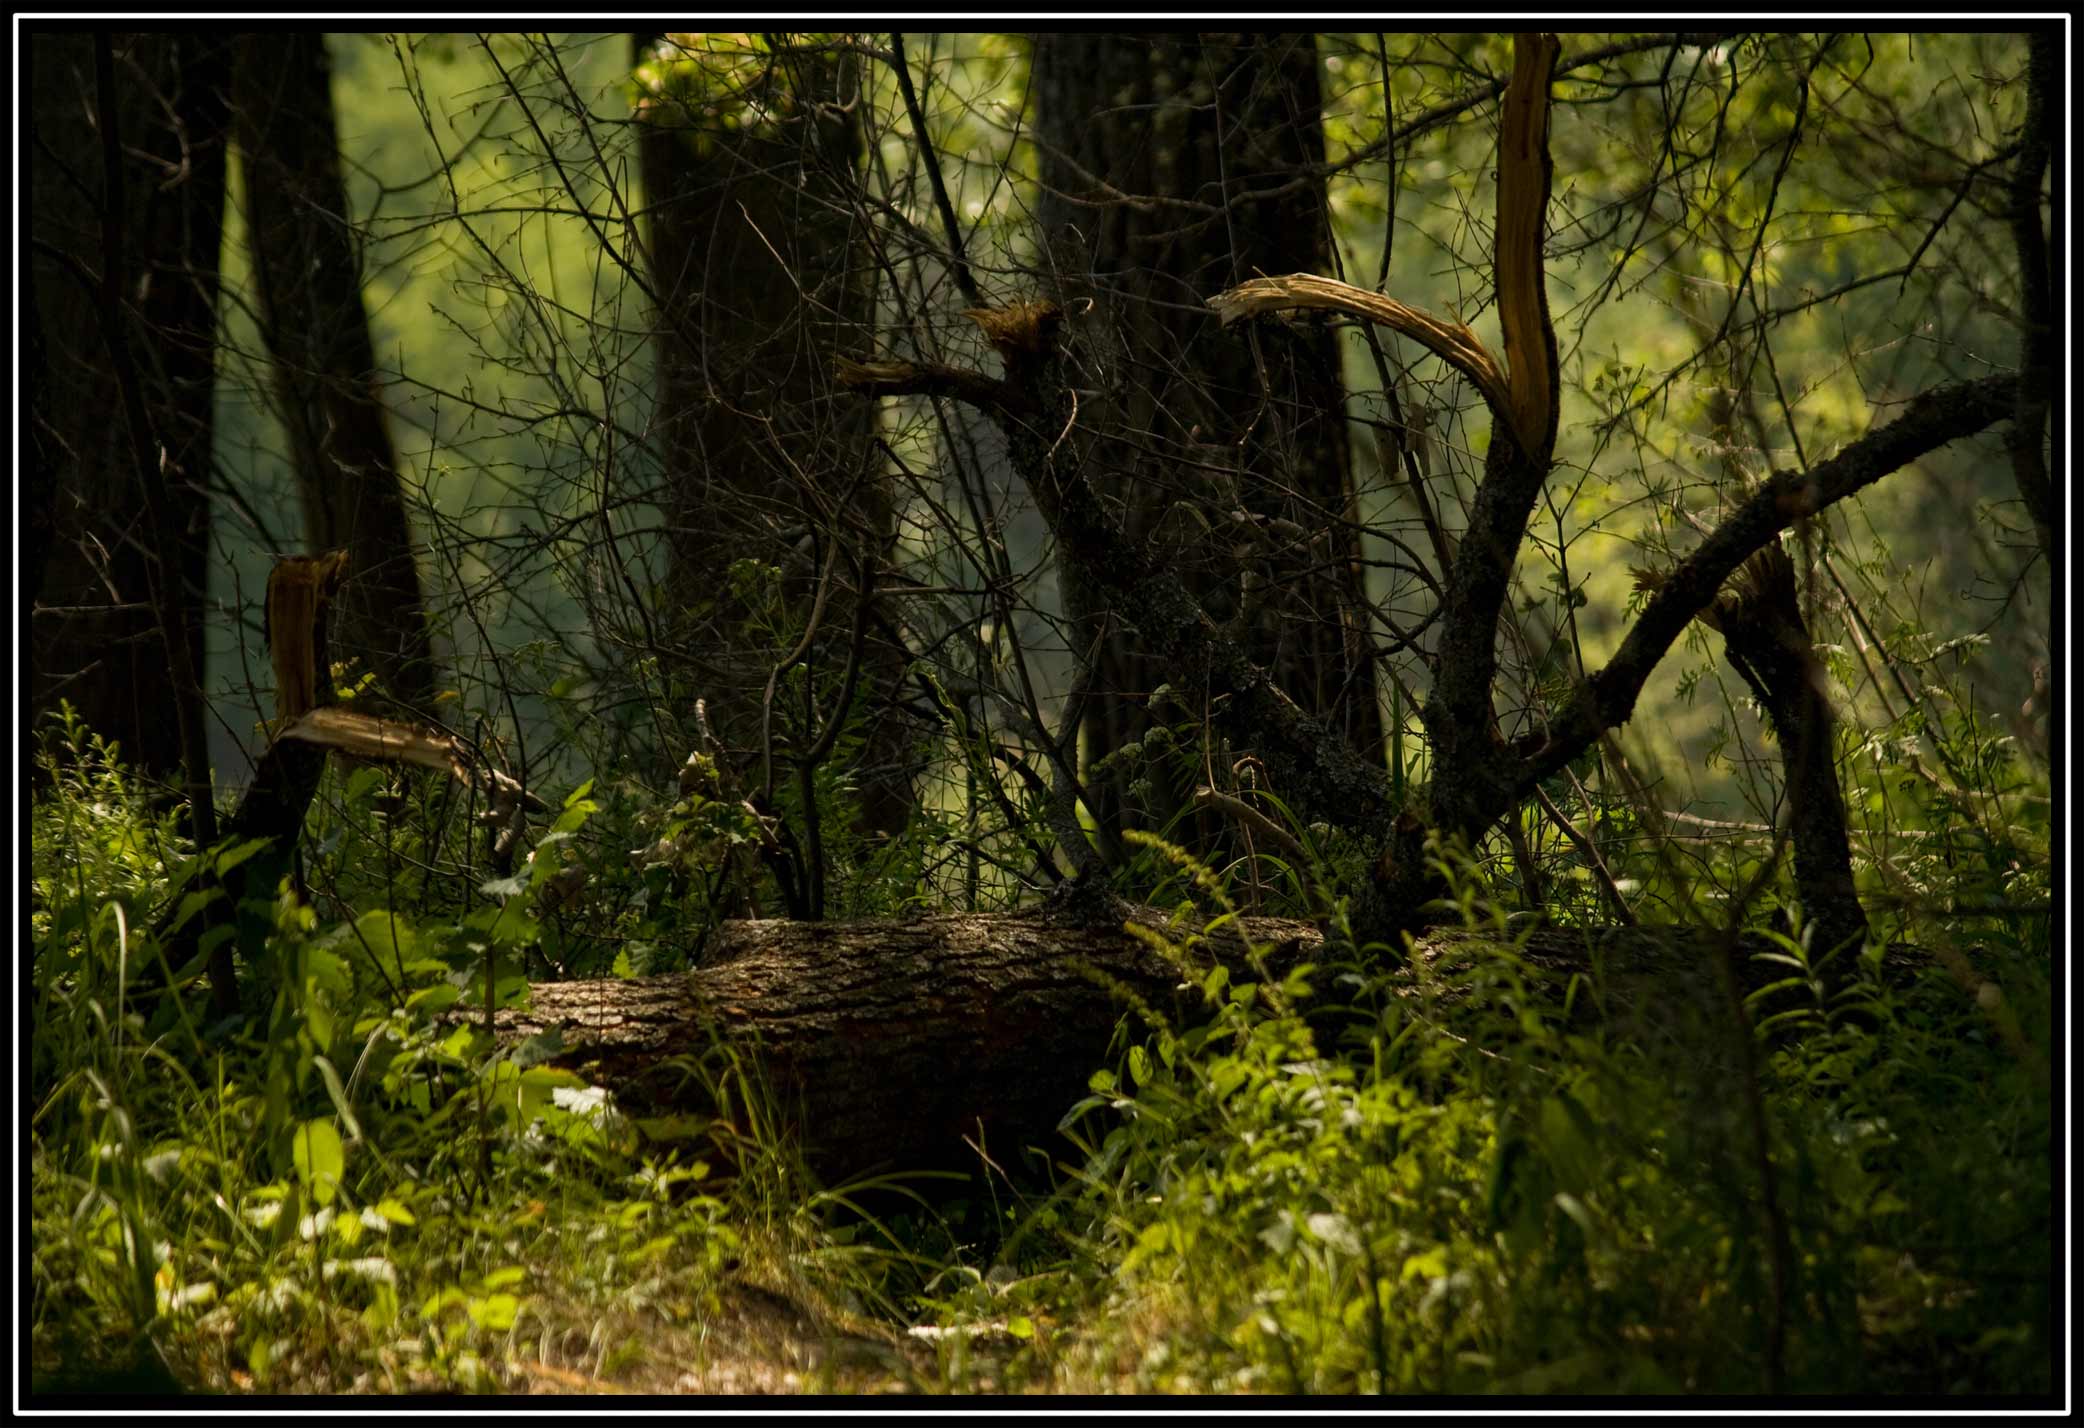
column 1767, row 642
column 308, row 272
column 2039, row 284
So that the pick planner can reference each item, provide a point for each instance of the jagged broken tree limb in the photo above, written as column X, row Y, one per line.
column 260, row 842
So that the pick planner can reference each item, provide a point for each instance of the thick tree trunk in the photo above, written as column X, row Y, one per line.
column 748, row 161
column 308, row 270
column 94, row 636
column 896, row 1045
column 1230, row 455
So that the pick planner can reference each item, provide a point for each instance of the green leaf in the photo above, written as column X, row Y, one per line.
column 191, row 904
column 495, row 1311
column 231, row 857
column 319, row 1157
column 338, row 1093
column 388, row 936
column 435, row 999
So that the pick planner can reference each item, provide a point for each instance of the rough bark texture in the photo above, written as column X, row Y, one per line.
column 308, row 273
column 1766, row 640
column 1472, row 781
column 1321, row 778
column 888, row 1044
column 748, row 162
column 1167, row 165
column 94, row 638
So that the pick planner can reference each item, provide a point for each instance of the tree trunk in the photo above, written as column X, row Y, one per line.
column 299, row 591
column 748, row 160
column 308, row 271
column 1232, row 456
column 94, row 638
column 1766, row 640
column 896, row 1045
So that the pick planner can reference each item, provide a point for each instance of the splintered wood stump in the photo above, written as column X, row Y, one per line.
column 897, row 1045
column 301, row 592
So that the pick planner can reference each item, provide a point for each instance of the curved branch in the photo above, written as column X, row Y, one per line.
column 1452, row 341
column 1939, row 416
column 1524, row 175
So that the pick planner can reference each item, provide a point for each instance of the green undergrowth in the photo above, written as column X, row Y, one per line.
column 1349, row 1181
column 1349, row 1177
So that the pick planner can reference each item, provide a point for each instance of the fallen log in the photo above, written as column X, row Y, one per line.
column 903, row 1046
column 888, row 1045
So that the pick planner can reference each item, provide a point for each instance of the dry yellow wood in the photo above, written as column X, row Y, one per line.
column 1452, row 341
column 391, row 741
column 299, row 589
column 1523, row 200
column 1521, row 390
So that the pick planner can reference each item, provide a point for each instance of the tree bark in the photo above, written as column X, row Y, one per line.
column 299, row 591
column 1477, row 778
column 94, row 636
column 308, row 271
column 900, row 1045
column 2038, row 286
column 1766, row 640
column 748, row 161
column 1231, row 456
